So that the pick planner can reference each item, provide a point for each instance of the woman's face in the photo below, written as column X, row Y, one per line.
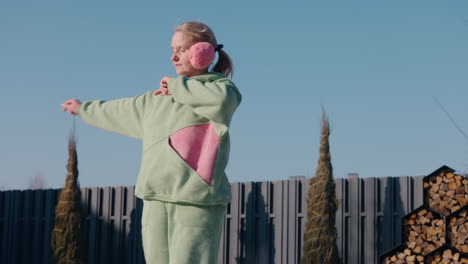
column 180, row 46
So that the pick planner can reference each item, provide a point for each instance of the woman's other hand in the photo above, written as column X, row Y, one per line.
column 71, row 106
column 163, row 89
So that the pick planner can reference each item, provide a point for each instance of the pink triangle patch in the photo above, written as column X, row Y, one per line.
column 198, row 146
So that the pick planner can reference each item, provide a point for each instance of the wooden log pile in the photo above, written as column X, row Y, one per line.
column 447, row 256
column 446, row 192
column 423, row 231
column 425, row 238
column 404, row 256
column 458, row 231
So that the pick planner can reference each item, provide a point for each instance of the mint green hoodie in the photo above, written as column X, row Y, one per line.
column 185, row 137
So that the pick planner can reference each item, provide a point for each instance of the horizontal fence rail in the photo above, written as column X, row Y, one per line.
column 264, row 223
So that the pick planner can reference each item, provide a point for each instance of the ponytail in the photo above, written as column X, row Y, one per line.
column 224, row 64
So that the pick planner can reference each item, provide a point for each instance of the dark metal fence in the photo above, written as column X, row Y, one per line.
column 264, row 224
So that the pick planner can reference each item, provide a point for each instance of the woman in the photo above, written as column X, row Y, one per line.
column 184, row 128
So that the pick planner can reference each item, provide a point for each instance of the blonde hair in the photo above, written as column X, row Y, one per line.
column 199, row 32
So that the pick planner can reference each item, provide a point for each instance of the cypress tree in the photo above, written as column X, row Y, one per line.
column 320, row 233
column 68, row 233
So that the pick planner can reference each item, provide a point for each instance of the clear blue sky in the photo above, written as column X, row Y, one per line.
column 374, row 65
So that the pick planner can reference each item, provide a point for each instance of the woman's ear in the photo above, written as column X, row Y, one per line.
column 201, row 55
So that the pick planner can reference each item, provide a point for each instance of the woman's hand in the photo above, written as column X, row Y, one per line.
column 163, row 90
column 71, row 106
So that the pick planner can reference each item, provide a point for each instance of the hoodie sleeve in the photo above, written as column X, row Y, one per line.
column 216, row 100
column 123, row 116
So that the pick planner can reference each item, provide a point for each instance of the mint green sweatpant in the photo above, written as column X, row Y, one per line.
column 180, row 233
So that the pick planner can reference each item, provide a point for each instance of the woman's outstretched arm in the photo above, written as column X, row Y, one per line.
column 123, row 116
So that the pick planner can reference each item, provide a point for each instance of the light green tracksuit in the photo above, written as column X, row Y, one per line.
column 185, row 152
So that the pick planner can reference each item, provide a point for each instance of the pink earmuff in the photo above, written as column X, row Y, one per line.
column 201, row 55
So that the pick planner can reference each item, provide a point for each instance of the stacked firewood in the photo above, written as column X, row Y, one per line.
column 404, row 256
column 425, row 238
column 423, row 231
column 458, row 231
column 446, row 256
column 446, row 192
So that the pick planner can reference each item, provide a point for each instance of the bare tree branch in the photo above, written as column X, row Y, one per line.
column 451, row 119
column 37, row 182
